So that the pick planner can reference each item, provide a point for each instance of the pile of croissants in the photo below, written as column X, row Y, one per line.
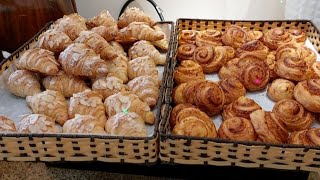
column 79, row 79
column 276, row 61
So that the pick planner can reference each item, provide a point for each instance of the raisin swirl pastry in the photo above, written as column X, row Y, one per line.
column 307, row 93
column 232, row 88
column 280, row 89
column 235, row 36
column 237, row 128
column 6, row 124
column 211, row 58
column 242, row 107
column 209, row 37
column 298, row 35
column 188, row 70
column 292, row 113
column 187, row 37
column 308, row 137
column 269, row 127
column 186, row 51
column 275, row 37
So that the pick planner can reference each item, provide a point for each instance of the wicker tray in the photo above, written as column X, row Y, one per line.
column 220, row 152
column 71, row 147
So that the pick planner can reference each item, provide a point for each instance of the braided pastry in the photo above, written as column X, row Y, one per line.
column 308, row 137
column 307, row 93
column 107, row 86
column 298, row 35
column 209, row 37
column 54, row 40
column 134, row 14
column 232, row 88
column 188, row 70
column 237, row 128
column 280, row 89
column 84, row 124
column 235, row 36
column 187, row 37
column 294, row 116
column 275, row 37
column 176, row 110
column 6, row 124
column 71, row 24
column 242, row 107
column 37, row 123
column 186, row 51
column 142, row 66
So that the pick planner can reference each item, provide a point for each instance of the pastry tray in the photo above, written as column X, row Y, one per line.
column 176, row 149
column 76, row 147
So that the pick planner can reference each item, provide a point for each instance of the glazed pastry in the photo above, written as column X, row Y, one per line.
column 255, row 47
column 235, row 36
column 64, row 83
column 145, row 48
column 188, row 70
column 162, row 44
column 84, row 124
column 134, row 14
column 38, row 60
column 307, row 93
column 315, row 70
column 187, row 37
column 178, row 94
column 37, row 123
column 230, row 69
column 308, row 137
column 176, row 110
column 78, row 59
column 138, row 31
column 23, row 83
column 118, row 67
column 107, row 86
column 142, row 66
column 186, row 52
column 54, row 40
column 211, row 58
column 98, row 44
column 268, row 127
column 242, row 107
column 232, row 88
column 280, row 89
column 254, row 35
column 50, row 103
column 209, row 37
column 88, row 103
column 71, row 24
column 126, row 124
column 128, row 102
column 6, row 124
column 237, row 128
column 275, row 37
column 146, row 88
column 298, row 35
column 292, row 113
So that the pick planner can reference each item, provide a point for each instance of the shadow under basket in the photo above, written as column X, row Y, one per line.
column 176, row 149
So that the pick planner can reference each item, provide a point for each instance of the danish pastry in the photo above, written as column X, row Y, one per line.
column 188, row 70
column 237, row 128
column 307, row 93
column 280, row 89
column 232, row 88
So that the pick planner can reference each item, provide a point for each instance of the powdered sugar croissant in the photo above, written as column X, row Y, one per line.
column 6, row 124
column 142, row 66
column 118, row 67
column 83, row 124
column 163, row 44
column 38, row 60
column 107, row 86
column 37, row 123
column 134, row 14
column 23, row 83
column 145, row 48
column 54, row 40
column 71, row 24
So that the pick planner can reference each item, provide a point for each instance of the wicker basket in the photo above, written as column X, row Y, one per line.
column 67, row 147
column 219, row 152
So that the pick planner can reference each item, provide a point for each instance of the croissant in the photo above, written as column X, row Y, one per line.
column 187, row 37
column 134, row 14
column 98, row 44
column 118, row 67
column 138, row 31
column 268, row 127
column 292, row 113
column 298, row 35
column 315, row 70
column 142, row 66
column 79, row 60
column 188, row 70
column 146, row 88
column 145, row 48
column 126, row 124
column 176, row 110
column 38, row 60
column 54, row 40
column 6, row 124
column 280, row 89
column 128, row 102
column 23, row 83
column 275, row 37
column 85, row 124
column 232, row 88
column 307, row 93
column 211, row 58
column 88, row 103
column 237, row 128
column 107, row 86
column 118, row 47
column 65, row 84
column 209, row 37
column 37, row 123
column 71, row 24
column 162, row 44
column 234, row 36
column 256, row 47
column 242, row 107
column 193, row 126
column 50, row 103
column 186, row 51
column 308, row 137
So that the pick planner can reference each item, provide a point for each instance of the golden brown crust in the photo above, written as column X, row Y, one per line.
column 178, row 94
column 232, row 89
column 142, row 66
column 84, row 124
column 307, row 93
column 37, row 123
column 6, row 124
column 308, row 137
column 134, row 14
column 230, row 69
column 54, row 40
column 186, row 51
column 209, row 37
column 242, row 107
column 255, row 46
column 315, row 70
column 187, row 37
column 255, row 35
column 107, row 86
column 275, row 37
column 71, row 24
column 280, row 89
column 188, row 70
column 298, row 35
column 176, row 110
column 237, row 128
column 235, row 36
